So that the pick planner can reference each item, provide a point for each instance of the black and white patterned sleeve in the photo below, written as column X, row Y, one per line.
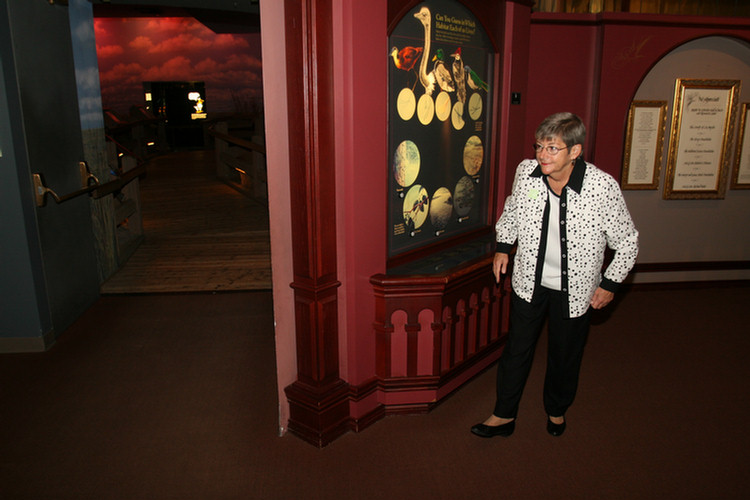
column 621, row 235
column 506, row 227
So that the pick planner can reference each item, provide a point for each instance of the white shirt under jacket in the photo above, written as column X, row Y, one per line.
column 593, row 215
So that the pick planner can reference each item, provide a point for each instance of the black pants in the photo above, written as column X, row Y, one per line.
column 567, row 338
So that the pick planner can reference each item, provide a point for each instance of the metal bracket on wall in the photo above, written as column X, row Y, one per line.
column 89, row 183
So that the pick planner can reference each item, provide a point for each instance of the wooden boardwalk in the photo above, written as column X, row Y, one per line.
column 199, row 234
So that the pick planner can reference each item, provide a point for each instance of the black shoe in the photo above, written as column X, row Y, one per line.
column 555, row 429
column 488, row 431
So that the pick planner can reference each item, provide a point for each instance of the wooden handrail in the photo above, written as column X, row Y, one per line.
column 119, row 182
column 123, row 148
column 252, row 146
column 90, row 184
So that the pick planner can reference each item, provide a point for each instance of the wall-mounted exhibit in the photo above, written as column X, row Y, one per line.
column 440, row 125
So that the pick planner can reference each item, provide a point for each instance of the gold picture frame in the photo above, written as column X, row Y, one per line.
column 644, row 142
column 741, row 175
column 703, row 115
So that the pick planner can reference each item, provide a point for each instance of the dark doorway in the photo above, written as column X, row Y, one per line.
column 183, row 107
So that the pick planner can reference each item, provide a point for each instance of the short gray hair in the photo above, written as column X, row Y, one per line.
column 567, row 126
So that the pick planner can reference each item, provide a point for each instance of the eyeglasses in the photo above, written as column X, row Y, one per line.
column 551, row 150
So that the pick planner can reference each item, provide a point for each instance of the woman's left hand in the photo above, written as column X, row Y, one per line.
column 601, row 298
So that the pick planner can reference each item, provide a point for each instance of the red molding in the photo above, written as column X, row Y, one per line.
column 636, row 19
column 469, row 314
column 362, row 423
column 318, row 416
column 318, row 399
column 478, row 364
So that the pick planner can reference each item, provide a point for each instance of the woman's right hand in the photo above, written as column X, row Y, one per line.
column 500, row 265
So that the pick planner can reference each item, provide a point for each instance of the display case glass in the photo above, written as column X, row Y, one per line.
column 440, row 116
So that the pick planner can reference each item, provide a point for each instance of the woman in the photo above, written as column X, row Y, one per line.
column 562, row 213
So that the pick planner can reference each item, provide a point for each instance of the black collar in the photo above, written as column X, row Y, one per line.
column 576, row 176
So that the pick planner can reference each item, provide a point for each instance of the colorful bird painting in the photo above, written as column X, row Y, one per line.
column 442, row 75
column 475, row 81
column 406, row 58
column 459, row 75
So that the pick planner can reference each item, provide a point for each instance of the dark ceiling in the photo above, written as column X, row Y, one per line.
column 219, row 21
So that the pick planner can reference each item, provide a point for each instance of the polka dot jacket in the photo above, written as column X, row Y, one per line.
column 593, row 215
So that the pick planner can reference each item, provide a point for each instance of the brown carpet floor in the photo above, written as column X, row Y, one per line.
column 173, row 397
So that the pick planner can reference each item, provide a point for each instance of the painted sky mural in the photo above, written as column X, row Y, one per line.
column 131, row 51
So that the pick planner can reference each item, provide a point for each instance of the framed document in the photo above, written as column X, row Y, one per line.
column 702, row 124
column 644, row 141
column 741, row 177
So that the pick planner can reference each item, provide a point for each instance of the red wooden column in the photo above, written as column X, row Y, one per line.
column 318, row 399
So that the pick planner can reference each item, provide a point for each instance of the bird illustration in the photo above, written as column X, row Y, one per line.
column 474, row 81
column 442, row 75
column 428, row 79
column 459, row 75
column 406, row 58
column 419, row 205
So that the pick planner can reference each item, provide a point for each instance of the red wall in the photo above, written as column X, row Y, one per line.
column 515, row 57
column 575, row 56
column 362, row 145
column 562, row 74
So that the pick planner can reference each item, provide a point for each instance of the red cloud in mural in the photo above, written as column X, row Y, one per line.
column 109, row 51
column 135, row 50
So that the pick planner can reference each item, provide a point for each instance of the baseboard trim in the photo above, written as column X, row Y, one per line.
column 682, row 285
column 365, row 421
column 17, row 345
column 715, row 265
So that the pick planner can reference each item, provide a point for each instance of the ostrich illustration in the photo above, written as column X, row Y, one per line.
column 427, row 79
